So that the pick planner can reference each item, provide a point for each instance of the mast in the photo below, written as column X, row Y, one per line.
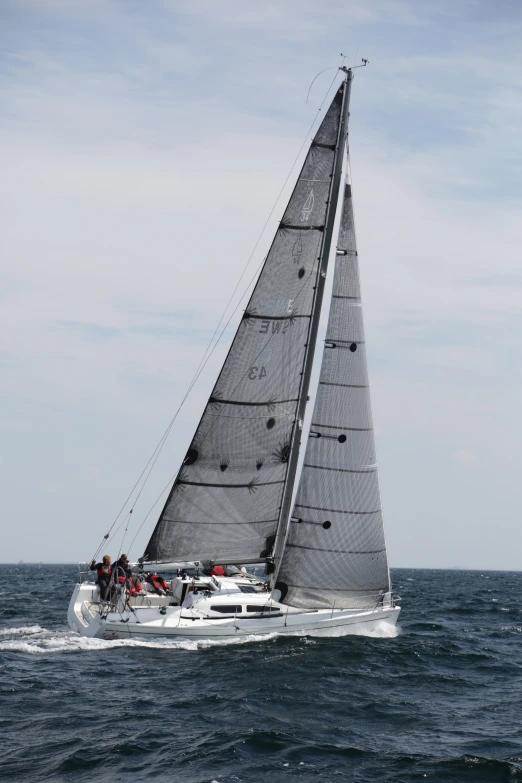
column 333, row 197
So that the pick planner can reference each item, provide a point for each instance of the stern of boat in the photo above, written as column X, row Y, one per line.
column 83, row 614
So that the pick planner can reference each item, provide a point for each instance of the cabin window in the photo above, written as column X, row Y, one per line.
column 262, row 609
column 226, row 609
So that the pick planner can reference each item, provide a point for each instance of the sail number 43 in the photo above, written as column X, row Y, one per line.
column 256, row 373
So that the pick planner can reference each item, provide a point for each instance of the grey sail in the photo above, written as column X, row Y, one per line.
column 335, row 554
column 226, row 500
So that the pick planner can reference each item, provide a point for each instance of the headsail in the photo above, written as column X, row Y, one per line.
column 335, row 554
column 226, row 500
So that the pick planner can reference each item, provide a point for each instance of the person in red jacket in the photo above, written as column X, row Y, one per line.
column 217, row 571
column 122, row 569
column 134, row 587
column 103, row 573
column 159, row 585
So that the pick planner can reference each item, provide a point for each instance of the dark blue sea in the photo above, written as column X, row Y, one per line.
column 439, row 701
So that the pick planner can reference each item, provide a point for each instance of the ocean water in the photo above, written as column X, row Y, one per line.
column 438, row 700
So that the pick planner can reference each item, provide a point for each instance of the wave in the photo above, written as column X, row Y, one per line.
column 35, row 640
column 23, row 630
column 383, row 630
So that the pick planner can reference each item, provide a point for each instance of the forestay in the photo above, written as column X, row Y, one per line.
column 335, row 554
column 226, row 500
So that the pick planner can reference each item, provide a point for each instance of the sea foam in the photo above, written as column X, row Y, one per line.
column 35, row 640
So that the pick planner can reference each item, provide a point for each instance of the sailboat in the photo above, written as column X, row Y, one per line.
column 325, row 558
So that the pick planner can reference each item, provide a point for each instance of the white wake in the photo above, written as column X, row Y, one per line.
column 35, row 640
column 383, row 630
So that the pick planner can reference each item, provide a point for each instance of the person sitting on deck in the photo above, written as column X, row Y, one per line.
column 187, row 573
column 103, row 571
column 159, row 585
column 134, row 586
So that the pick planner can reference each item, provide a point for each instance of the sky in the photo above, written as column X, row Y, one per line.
column 142, row 149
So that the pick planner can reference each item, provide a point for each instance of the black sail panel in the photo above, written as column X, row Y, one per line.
column 226, row 500
column 335, row 556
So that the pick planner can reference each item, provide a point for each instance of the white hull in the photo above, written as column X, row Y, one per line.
column 173, row 621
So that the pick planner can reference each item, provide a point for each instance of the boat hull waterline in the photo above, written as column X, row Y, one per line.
column 85, row 618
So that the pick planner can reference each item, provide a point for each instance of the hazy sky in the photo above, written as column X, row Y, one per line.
column 143, row 146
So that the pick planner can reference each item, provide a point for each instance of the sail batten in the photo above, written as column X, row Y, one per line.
column 264, row 404
column 361, row 469
column 338, row 551
column 260, row 385
column 335, row 511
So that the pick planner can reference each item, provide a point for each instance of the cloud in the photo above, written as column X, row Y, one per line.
column 141, row 155
column 464, row 457
column 89, row 331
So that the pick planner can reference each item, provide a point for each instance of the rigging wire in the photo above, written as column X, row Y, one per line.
column 317, row 76
column 149, row 512
column 129, row 516
column 212, row 347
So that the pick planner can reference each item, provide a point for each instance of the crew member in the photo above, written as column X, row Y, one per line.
column 122, row 569
column 159, row 585
column 103, row 572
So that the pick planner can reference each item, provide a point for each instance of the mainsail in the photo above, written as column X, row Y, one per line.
column 226, row 501
column 335, row 553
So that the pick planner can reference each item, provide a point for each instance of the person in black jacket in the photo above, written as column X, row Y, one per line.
column 104, row 572
column 122, row 569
